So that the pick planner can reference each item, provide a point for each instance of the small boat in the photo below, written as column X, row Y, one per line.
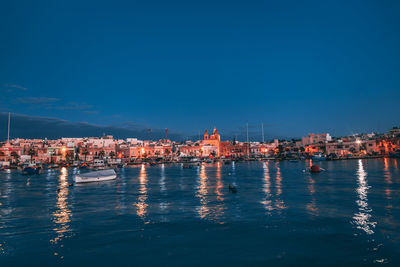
column 395, row 154
column 83, row 165
column 232, row 188
column 31, row 169
column 318, row 157
column 96, row 176
column 188, row 166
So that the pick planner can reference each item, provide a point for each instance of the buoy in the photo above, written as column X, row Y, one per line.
column 232, row 188
column 315, row 169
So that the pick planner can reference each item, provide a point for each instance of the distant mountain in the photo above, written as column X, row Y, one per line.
column 24, row 126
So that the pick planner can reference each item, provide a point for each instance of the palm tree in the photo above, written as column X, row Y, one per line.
column 85, row 152
column 77, row 151
column 112, row 154
column 31, row 152
column 167, row 152
column 15, row 156
column 101, row 154
column 69, row 156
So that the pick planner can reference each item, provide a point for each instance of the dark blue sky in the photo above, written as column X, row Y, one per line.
column 297, row 66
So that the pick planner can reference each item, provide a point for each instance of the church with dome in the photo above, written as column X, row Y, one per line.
column 213, row 140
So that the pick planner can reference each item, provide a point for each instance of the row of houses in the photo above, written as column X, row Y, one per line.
column 107, row 147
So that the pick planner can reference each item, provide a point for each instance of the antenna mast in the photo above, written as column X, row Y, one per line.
column 8, row 135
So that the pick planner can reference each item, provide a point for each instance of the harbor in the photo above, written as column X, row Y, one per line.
column 199, row 133
column 31, row 156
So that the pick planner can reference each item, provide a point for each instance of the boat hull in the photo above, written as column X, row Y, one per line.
column 31, row 170
column 96, row 176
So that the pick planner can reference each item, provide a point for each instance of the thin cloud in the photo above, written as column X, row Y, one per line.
column 15, row 86
column 37, row 100
column 74, row 106
column 91, row 112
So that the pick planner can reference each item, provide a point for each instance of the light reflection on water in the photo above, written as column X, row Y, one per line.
column 219, row 209
column 202, row 192
column 267, row 188
column 163, row 189
column 62, row 215
column 388, row 178
column 141, row 205
column 220, row 185
column 363, row 217
column 273, row 199
column 5, row 207
column 312, row 206
column 279, row 203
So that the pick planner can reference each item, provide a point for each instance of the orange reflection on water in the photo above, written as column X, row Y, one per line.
column 141, row 205
column 218, row 210
column 279, row 203
column 388, row 178
column 61, row 217
column 220, row 185
column 202, row 193
column 267, row 188
column 309, row 163
column 278, row 180
column 311, row 185
column 312, row 206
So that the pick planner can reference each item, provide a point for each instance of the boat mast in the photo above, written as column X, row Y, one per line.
column 262, row 130
column 247, row 131
column 8, row 135
column 247, row 137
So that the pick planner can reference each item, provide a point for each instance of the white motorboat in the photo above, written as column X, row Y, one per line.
column 96, row 176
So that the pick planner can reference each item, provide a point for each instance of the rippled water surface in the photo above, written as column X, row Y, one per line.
column 166, row 215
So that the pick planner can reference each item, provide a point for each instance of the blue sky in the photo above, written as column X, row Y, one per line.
column 297, row 66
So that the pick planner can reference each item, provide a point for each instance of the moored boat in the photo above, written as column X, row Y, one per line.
column 318, row 157
column 122, row 165
column 31, row 169
column 395, row 154
column 96, row 176
column 83, row 165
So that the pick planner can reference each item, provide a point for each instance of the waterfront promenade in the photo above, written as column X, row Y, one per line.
column 113, row 151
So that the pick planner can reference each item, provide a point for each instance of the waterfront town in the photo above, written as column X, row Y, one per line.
column 77, row 151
